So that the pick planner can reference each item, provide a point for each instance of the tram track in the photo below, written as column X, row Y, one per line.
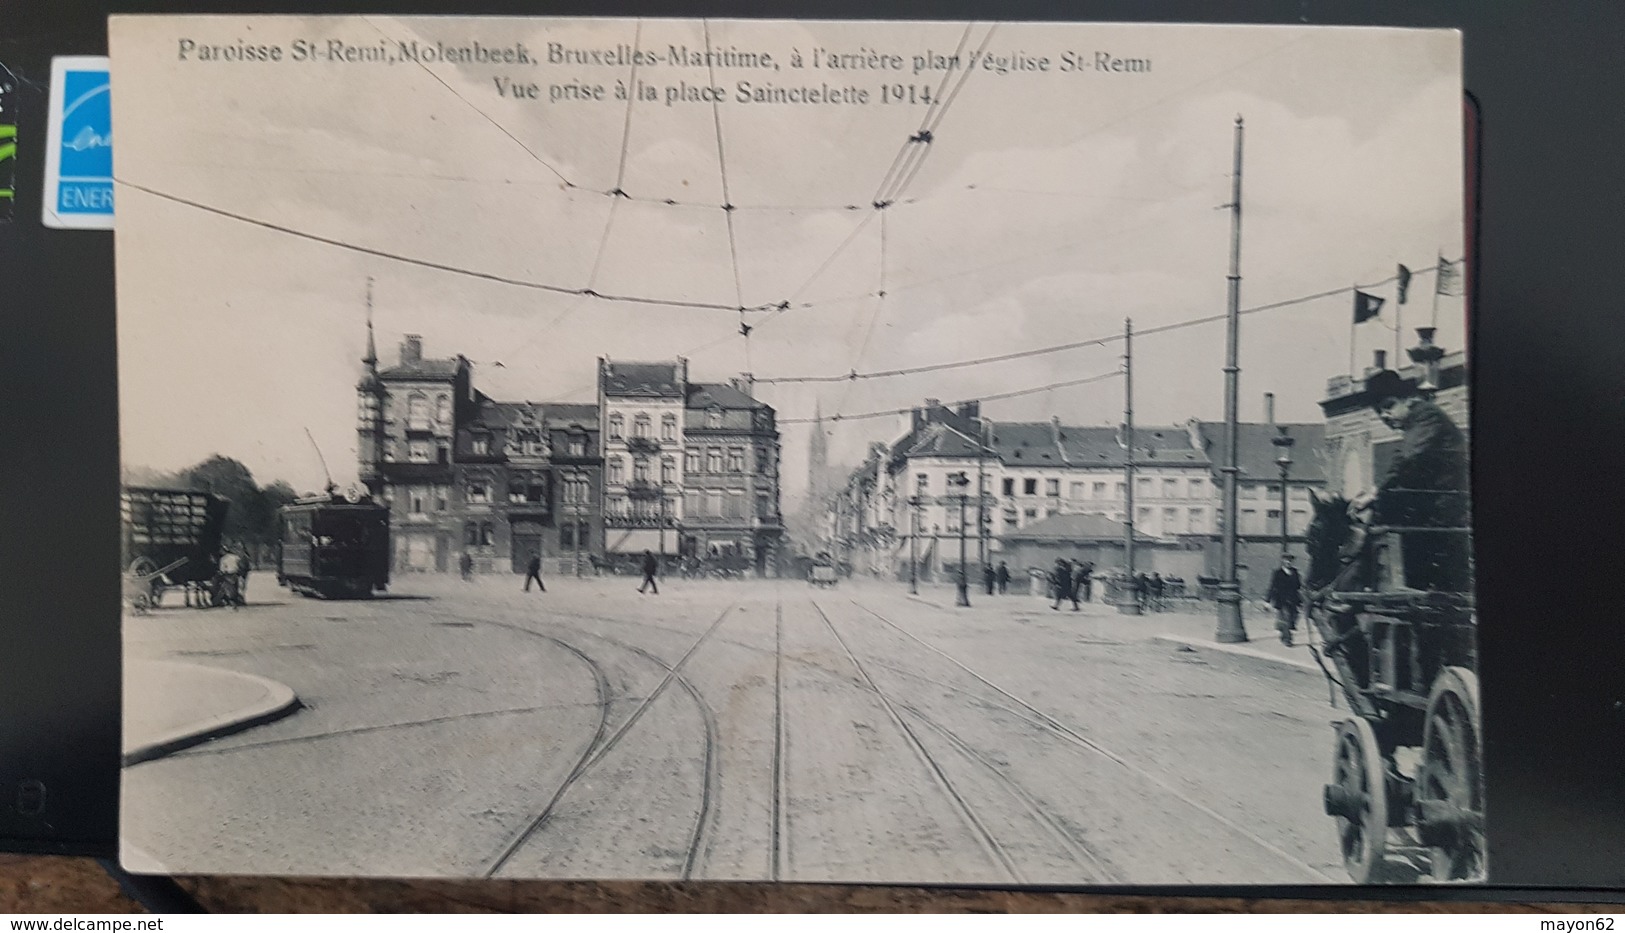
column 779, row 832
column 1073, row 737
column 990, row 845
column 600, row 746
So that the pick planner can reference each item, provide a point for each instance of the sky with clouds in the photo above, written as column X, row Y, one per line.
column 1051, row 206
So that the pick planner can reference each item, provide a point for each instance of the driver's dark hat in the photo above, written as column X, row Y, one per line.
column 1387, row 384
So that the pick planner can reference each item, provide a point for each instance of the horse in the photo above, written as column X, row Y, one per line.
column 1333, row 541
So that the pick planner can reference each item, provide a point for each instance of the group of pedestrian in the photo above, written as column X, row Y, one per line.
column 996, row 578
column 1150, row 590
column 1070, row 580
column 650, row 565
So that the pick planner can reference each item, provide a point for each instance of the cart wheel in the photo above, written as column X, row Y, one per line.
column 1358, row 799
column 1449, row 780
column 143, row 567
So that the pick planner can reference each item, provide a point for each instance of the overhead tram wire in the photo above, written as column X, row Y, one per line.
column 727, row 197
column 880, row 310
column 1098, row 341
column 920, row 137
column 428, row 263
column 998, row 396
column 488, row 118
column 929, row 132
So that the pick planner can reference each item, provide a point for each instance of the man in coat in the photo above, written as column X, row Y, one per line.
column 1004, row 578
column 650, row 566
column 1425, row 485
column 1060, row 581
column 534, row 572
column 1286, row 595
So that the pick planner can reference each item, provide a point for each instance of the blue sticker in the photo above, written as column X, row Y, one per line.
column 79, row 145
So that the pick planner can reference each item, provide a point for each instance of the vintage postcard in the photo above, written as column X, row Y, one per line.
column 943, row 452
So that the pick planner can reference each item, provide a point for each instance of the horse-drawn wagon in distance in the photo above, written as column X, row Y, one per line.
column 1395, row 611
column 172, row 537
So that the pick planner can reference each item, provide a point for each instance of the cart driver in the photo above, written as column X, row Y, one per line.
column 1424, row 486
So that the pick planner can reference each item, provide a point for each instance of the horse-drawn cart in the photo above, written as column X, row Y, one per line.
column 171, row 538
column 1407, row 773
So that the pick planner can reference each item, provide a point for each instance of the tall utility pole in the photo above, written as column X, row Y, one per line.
column 981, row 491
column 1230, row 627
column 1128, row 602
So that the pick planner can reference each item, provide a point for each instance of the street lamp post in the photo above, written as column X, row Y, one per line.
column 963, row 482
column 913, row 541
column 1283, row 443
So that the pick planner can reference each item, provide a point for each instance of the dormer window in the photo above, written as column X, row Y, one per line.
column 713, row 417
column 578, row 445
column 482, row 445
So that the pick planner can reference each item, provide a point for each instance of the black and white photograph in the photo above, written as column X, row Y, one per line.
column 896, row 452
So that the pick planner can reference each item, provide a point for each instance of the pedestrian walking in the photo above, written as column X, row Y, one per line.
column 1142, row 590
column 1156, row 591
column 1004, row 578
column 1079, row 575
column 1086, row 574
column 1060, row 581
column 534, row 572
column 1286, row 595
column 467, row 566
column 650, row 565
column 989, row 578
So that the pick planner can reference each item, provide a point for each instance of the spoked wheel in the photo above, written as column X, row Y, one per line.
column 1450, row 779
column 1357, row 797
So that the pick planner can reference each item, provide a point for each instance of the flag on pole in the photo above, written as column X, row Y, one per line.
column 1448, row 279
column 1404, row 283
column 1366, row 306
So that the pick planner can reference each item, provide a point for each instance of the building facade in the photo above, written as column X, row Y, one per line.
column 901, row 507
column 465, row 475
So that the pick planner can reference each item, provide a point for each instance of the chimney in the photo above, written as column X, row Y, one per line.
column 1269, row 407
column 1382, row 359
column 744, row 382
column 411, row 349
column 917, row 421
column 970, row 410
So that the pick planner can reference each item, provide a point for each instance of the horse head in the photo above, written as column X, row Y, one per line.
column 1328, row 531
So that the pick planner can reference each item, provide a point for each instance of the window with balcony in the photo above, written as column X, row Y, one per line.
column 617, row 470
column 1052, row 488
column 713, row 417
column 640, row 470
column 617, row 427
column 713, row 460
column 668, row 470
column 736, row 460
column 691, row 461
column 640, row 425
column 1029, row 487
column 668, row 427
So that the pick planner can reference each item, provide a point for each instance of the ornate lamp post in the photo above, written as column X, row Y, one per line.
column 1283, row 443
column 913, row 540
column 962, row 481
